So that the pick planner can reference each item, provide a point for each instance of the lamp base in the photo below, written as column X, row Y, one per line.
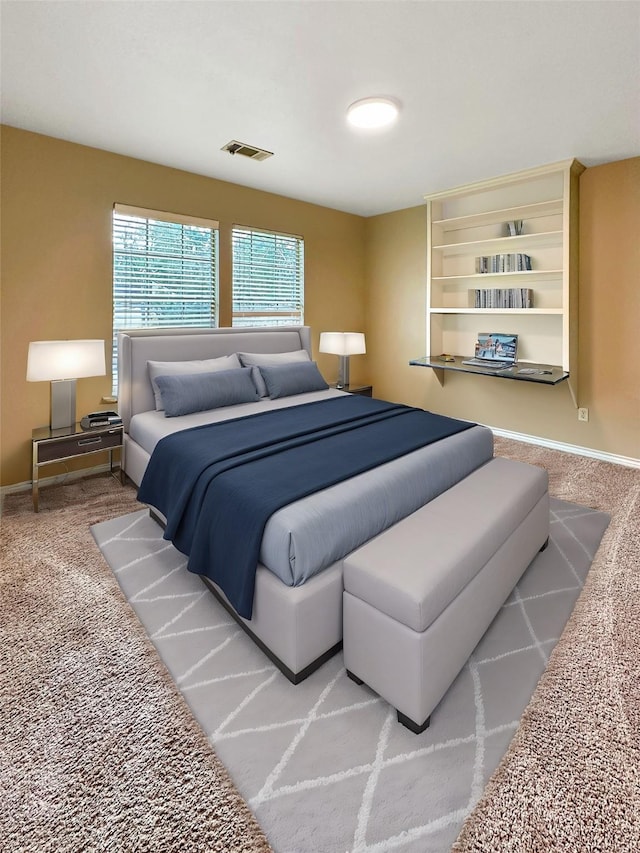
column 343, row 372
column 63, row 403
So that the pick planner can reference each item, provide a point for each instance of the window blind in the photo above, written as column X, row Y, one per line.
column 165, row 271
column 268, row 278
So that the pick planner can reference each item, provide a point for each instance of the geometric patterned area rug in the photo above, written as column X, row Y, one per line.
column 324, row 765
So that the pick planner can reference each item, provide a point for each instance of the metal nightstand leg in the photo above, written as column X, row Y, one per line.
column 34, row 479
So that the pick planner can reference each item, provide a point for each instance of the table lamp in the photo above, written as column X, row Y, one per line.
column 61, row 363
column 343, row 344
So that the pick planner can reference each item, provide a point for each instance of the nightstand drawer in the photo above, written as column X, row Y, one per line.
column 50, row 451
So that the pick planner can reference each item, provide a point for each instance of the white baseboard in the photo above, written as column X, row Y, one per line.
column 575, row 449
column 59, row 478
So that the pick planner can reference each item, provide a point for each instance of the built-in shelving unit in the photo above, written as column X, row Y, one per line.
column 470, row 222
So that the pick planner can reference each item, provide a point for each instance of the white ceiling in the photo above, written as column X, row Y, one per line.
column 486, row 87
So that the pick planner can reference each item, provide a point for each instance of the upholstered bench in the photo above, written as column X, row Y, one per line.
column 418, row 597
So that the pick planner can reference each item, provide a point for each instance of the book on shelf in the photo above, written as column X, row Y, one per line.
column 498, row 297
column 510, row 262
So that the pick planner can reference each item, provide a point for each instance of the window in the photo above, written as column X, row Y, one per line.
column 165, row 271
column 268, row 278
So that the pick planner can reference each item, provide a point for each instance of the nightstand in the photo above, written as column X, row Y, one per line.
column 58, row 445
column 362, row 390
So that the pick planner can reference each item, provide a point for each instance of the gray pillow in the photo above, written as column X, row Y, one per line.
column 288, row 379
column 185, row 393
column 169, row 368
column 270, row 359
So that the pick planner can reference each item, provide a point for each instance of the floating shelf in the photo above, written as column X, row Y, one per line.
column 552, row 374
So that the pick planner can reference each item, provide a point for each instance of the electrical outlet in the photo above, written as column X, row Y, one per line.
column 583, row 415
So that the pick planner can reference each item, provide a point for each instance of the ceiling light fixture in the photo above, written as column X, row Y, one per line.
column 373, row 112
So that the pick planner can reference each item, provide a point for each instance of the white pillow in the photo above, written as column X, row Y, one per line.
column 269, row 359
column 171, row 368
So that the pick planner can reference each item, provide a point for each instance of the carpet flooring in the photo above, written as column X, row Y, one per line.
column 99, row 751
column 570, row 780
column 79, row 774
column 324, row 765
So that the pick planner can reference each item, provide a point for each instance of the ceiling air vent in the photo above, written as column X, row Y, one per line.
column 251, row 151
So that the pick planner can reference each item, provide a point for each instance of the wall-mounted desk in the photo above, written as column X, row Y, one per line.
column 552, row 374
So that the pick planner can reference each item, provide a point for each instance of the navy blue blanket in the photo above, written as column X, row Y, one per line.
column 217, row 485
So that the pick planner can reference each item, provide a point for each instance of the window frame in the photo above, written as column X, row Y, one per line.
column 268, row 317
column 167, row 262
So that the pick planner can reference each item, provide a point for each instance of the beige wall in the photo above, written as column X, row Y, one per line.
column 57, row 199
column 360, row 274
column 609, row 326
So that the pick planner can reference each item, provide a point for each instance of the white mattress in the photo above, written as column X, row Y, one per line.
column 147, row 428
column 307, row 536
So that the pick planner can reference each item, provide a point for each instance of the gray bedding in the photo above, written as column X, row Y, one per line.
column 307, row 536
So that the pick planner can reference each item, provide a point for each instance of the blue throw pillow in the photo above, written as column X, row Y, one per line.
column 169, row 368
column 185, row 393
column 288, row 379
column 269, row 359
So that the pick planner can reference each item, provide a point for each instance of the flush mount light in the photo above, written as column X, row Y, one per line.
column 372, row 112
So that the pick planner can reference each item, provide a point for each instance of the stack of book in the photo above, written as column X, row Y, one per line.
column 512, row 262
column 510, row 297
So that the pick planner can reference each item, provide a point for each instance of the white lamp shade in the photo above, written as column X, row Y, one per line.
column 49, row 360
column 342, row 343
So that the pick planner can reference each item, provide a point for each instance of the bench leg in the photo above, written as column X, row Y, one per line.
column 402, row 718
column 413, row 727
column 544, row 547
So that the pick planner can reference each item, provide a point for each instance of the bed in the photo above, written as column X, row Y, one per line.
column 297, row 601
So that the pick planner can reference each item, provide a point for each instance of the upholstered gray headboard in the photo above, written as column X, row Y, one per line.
column 138, row 346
